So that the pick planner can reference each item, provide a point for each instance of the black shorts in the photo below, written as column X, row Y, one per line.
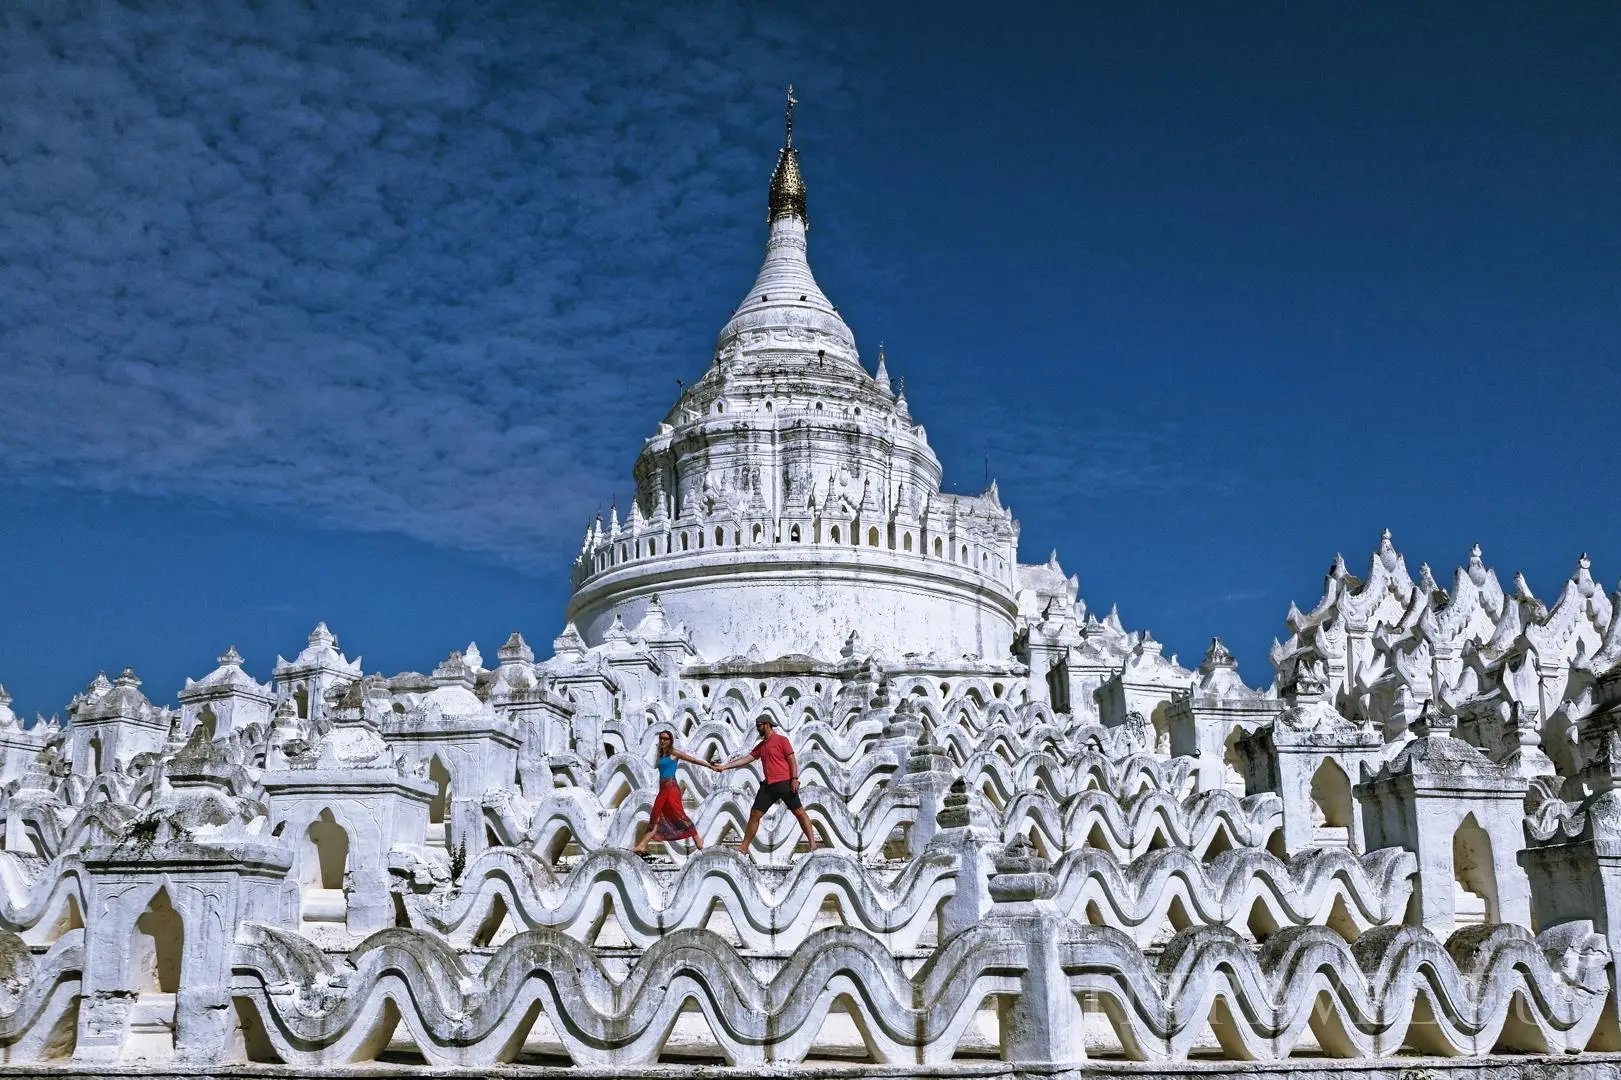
column 770, row 795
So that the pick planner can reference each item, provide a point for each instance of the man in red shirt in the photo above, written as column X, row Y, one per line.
column 776, row 757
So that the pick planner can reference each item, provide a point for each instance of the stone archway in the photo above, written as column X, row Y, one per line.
column 1474, row 872
column 439, row 809
column 1331, row 810
column 156, row 948
column 324, row 869
column 156, row 967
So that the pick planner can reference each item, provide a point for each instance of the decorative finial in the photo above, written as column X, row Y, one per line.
column 516, row 650
column 1217, row 656
column 881, row 376
column 787, row 186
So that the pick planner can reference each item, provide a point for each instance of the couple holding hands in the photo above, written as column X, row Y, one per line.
column 775, row 754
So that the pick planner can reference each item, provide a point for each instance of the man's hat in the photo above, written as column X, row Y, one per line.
column 765, row 720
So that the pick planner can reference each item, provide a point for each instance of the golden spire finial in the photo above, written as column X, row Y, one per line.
column 787, row 186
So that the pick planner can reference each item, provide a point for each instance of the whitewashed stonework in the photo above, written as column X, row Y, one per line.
column 789, row 499
column 1044, row 840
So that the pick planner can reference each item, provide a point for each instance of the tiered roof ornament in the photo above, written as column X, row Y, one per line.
column 516, row 651
column 321, row 653
column 122, row 699
column 229, row 674
column 568, row 645
column 1217, row 677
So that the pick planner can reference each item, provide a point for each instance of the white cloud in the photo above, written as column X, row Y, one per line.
column 414, row 269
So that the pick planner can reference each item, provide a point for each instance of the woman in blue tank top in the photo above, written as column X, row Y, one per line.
column 669, row 820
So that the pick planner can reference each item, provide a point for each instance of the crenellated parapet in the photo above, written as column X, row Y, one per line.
column 1508, row 671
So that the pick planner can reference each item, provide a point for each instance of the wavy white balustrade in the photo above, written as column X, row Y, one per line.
column 1397, row 988
column 1249, row 891
column 319, row 1011
column 1131, row 827
column 1242, row 889
column 767, row 914
column 39, row 997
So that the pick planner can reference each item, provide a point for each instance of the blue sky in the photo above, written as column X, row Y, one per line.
column 358, row 315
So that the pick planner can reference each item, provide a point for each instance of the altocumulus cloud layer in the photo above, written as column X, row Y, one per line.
column 401, row 268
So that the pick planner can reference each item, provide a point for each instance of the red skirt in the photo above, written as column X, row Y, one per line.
column 669, row 818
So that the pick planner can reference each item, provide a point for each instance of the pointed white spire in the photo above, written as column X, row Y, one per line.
column 1583, row 577
column 1112, row 620
column 881, row 376
column 785, row 295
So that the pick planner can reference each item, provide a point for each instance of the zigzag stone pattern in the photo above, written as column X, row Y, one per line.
column 1040, row 840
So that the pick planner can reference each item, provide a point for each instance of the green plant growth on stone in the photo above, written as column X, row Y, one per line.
column 458, row 861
